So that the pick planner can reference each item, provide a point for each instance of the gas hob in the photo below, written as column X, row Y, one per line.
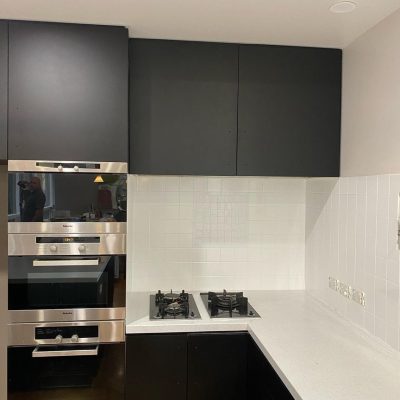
column 228, row 305
column 172, row 305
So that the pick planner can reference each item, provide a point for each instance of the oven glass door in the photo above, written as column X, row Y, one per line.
column 89, row 372
column 66, row 197
column 65, row 282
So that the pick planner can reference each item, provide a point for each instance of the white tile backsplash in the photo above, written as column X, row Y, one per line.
column 351, row 234
column 210, row 233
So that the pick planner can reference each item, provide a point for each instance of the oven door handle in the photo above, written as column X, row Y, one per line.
column 65, row 353
column 66, row 263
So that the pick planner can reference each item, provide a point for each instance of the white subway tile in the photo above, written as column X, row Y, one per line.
column 380, row 328
column 392, row 304
column 214, row 184
column 186, row 184
column 171, row 183
column 255, row 184
column 380, row 298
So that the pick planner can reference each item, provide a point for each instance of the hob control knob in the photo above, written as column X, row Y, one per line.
column 58, row 339
column 75, row 338
column 82, row 247
column 53, row 248
column 76, row 168
column 60, row 167
column 192, row 314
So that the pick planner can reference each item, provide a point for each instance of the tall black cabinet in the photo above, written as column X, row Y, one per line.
column 183, row 107
column 3, row 88
column 68, row 92
column 289, row 111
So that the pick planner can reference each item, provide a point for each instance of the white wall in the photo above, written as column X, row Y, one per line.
column 351, row 235
column 371, row 101
column 210, row 233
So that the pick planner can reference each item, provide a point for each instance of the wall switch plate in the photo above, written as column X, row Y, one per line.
column 347, row 291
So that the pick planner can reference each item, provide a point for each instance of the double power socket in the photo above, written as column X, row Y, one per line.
column 347, row 291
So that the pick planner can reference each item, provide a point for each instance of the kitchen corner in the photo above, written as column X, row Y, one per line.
column 316, row 353
column 194, row 213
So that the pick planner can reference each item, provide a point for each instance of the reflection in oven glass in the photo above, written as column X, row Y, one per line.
column 54, row 197
column 66, row 282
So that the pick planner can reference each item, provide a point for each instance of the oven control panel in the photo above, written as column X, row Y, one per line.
column 67, row 334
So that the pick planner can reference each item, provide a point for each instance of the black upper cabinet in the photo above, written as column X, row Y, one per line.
column 68, row 92
column 289, row 111
column 217, row 366
column 183, row 107
column 3, row 88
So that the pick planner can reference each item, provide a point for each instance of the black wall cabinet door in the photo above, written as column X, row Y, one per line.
column 68, row 92
column 217, row 366
column 262, row 380
column 183, row 107
column 289, row 111
column 3, row 88
column 156, row 367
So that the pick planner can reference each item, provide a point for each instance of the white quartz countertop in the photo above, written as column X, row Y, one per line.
column 317, row 354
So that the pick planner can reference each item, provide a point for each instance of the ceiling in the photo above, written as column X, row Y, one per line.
column 288, row 22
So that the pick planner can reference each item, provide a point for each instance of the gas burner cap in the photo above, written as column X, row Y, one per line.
column 171, row 296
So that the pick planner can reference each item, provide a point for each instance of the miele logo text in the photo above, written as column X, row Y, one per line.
column 67, row 226
column 67, row 313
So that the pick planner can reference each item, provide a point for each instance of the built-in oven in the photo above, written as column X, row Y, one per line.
column 70, row 360
column 66, row 277
column 60, row 196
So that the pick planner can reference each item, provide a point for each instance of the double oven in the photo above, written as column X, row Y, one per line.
column 66, row 279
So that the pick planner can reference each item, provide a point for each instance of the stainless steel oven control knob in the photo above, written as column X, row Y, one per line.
column 82, row 247
column 60, row 167
column 75, row 338
column 76, row 168
column 53, row 248
column 58, row 339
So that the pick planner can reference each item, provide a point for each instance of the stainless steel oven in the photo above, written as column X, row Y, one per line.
column 71, row 197
column 74, row 360
column 66, row 240
column 66, row 277
column 66, row 280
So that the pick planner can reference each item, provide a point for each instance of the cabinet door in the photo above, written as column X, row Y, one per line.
column 217, row 366
column 156, row 367
column 3, row 88
column 262, row 380
column 289, row 111
column 68, row 92
column 183, row 107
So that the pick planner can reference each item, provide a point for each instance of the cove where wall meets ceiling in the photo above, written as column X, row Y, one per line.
column 283, row 22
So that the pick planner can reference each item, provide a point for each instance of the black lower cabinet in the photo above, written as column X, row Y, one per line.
column 156, row 367
column 217, row 366
column 262, row 380
column 199, row 366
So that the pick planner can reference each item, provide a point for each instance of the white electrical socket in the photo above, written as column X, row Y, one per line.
column 344, row 289
column 359, row 297
column 333, row 283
